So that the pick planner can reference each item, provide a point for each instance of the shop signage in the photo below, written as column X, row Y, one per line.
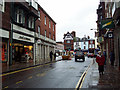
column 24, row 38
column 110, row 34
column 38, row 41
column 107, row 24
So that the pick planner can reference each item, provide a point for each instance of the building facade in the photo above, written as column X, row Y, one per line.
column 59, row 48
column 28, row 32
column 45, row 36
column 68, row 43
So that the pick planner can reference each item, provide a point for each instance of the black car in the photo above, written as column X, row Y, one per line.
column 79, row 55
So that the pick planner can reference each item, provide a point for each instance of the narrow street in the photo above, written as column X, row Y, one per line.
column 61, row 74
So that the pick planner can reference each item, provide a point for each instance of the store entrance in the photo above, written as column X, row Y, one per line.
column 19, row 50
column 22, row 53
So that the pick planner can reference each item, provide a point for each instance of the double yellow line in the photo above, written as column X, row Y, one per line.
column 81, row 80
column 1, row 75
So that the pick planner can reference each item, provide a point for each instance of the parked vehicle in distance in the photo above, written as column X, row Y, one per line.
column 90, row 55
column 79, row 55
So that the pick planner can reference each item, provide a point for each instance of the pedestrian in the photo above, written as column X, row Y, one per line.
column 100, row 59
column 51, row 53
column 54, row 56
column 104, row 53
column 112, row 57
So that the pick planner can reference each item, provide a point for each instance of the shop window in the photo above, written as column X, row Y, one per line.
column 20, row 18
column 4, row 52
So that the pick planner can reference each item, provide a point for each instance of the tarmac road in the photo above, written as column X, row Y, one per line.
column 61, row 74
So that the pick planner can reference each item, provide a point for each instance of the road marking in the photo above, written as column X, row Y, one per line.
column 5, row 87
column 19, row 82
column 30, row 77
column 40, row 75
column 81, row 80
column 22, row 70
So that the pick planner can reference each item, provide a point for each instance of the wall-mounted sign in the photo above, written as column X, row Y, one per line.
column 110, row 34
column 24, row 38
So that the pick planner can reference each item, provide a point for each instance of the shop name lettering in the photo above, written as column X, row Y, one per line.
column 22, row 37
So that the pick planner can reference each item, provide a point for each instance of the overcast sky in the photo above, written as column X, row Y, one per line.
column 72, row 15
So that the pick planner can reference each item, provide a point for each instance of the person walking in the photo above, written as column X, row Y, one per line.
column 112, row 58
column 51, row 54
column 100, row 59
column 54, row 56
column 104, row 53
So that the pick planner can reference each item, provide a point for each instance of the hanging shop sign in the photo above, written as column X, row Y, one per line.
column 110, row 34
column 107, row 24
column 38, row 41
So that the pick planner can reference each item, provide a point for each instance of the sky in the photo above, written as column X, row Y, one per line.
column 72, row 15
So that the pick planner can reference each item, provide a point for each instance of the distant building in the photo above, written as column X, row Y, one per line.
column 68, row 42
column 59, row 48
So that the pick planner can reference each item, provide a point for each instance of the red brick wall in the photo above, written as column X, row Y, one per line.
column 6, row 17
column 44, row 27
column 66, row 44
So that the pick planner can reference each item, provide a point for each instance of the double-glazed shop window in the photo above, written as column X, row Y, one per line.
column 19, row 16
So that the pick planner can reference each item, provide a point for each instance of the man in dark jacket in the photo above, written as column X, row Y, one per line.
column 51, row 53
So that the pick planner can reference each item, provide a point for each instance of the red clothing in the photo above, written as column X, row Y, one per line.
column 100, row 60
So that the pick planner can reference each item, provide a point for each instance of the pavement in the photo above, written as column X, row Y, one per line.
column 109, row 80
column 22, row 65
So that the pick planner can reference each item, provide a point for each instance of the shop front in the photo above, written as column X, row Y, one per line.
column 23, row 48
column 22, row 52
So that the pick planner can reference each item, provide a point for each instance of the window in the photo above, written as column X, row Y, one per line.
column 39, row 15
column 20, row 18
column 49, row 35
column 45, row 34
column 68, row 41
column 53, row 27
column 49, row 24
column 84, row 47
column 45, row 20
column 2, row 5
column 53, row 37
column 38, row 31
column 31, row 22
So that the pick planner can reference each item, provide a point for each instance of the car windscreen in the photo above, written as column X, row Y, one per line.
column 79, row 53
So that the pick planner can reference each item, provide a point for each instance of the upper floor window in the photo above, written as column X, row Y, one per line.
column 45, row 20
column 31, row 22
column 39, row 15
column 38, row 31
column 19, row 14
column 2, row 5
column 49, row 24
column 49, row 35
column 68, row 41
column 53, row 37
column 45, row 33
column 53, row 27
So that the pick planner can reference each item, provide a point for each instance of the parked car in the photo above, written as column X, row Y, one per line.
column 79, row 55
column 90, row 55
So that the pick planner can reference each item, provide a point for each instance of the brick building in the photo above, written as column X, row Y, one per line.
column 26, row 30
column 45, row 36
column 68, row 42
